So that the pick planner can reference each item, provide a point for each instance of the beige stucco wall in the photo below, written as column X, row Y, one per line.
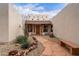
column 10, row 23
column 4, row 22
column 66, row 23
column 15, row 23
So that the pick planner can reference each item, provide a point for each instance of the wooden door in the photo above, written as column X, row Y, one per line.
column 37, row 29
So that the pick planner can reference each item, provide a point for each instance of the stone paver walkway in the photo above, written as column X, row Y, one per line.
column 51, row 47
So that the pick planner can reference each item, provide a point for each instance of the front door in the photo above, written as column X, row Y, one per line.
column 37, row 29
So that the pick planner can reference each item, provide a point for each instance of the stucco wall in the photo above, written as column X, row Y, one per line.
column 66, row 23
column 4, row 22
column 15, row 23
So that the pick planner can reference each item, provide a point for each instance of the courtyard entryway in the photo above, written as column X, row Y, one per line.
column 52, row 48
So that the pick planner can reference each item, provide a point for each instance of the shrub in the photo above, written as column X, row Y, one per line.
column 25, row 45
column 21, row 39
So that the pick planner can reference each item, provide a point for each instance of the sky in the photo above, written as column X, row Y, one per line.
column 52, row 9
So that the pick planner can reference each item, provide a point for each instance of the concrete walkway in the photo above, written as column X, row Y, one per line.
column 51, row 47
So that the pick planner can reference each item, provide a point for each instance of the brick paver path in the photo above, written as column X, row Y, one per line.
column 51, row 47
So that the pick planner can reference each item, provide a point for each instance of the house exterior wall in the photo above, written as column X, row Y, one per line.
column 15, row 24
column 39, row 20
column 4, row 22
column 10, row 23
column 35, row 28
column 66, row 23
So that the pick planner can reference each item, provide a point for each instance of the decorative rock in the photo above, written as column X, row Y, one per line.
column 34, row 38
column 22, row 53
column 26, row 52
column 18, row 54
column 34, row 46
column 12, row 53
column 29, row 49
column 34, row 43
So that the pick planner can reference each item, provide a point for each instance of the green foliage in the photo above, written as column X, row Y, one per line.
column 23, row 40
column 25, row 45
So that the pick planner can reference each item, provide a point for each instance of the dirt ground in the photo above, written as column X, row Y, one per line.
column 5, row 48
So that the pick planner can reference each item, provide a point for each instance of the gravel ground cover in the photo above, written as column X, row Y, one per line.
column 5, row 48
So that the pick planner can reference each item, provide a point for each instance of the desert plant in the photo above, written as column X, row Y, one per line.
column 21, row 39
column 25, row 45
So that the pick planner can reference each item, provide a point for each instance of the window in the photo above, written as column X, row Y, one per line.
column 45, row 28
column 29, row 28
